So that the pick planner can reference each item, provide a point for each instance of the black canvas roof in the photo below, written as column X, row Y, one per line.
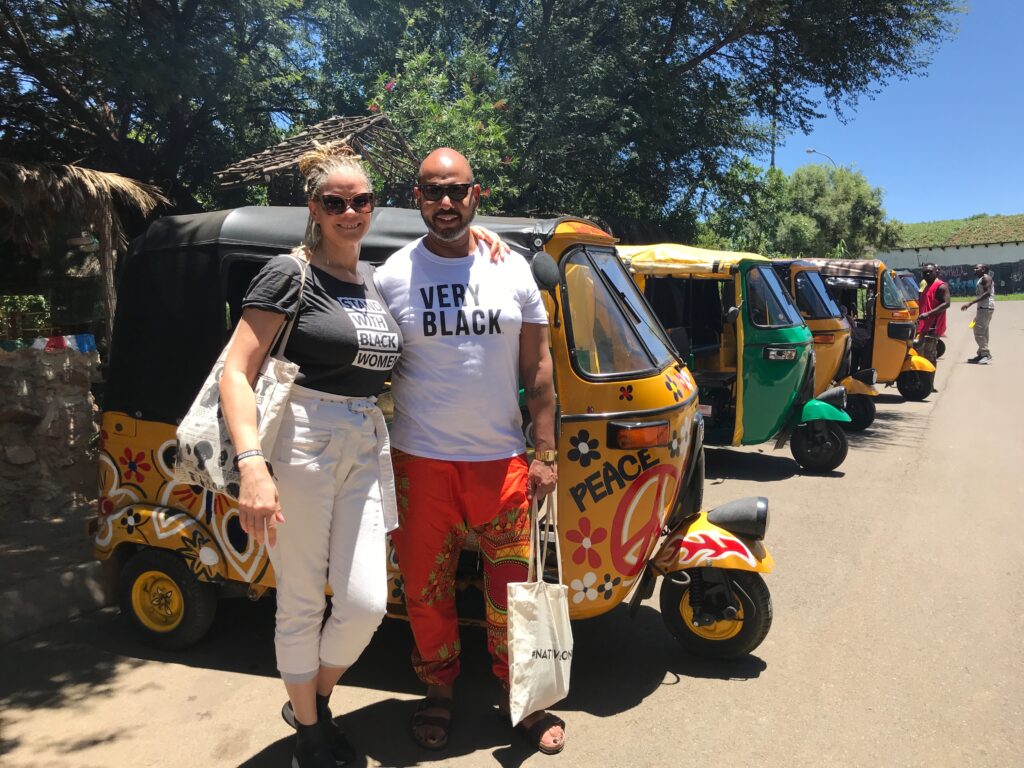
column 183, row 277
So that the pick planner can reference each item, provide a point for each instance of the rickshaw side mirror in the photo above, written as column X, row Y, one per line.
column 545, row 271
column 732, row 314
column 680, row 340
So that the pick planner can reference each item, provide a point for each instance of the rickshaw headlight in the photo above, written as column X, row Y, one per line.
column 745, row 517
column 632, row 435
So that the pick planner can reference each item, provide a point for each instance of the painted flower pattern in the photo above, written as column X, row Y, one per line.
column 675, row 444
column 131, row 521
column 626, row 392
column 134, row 464
column 608, row 585
column 398, row 590
column 586, row 537
column 673, row 386
column 584, row 449
column 584, row 589
column 201, row 555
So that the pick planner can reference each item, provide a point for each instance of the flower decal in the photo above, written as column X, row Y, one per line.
column 626, row 392
column 584, row 450
column 131, row 521
column 673, row 386
column 201, row 554
column 584, row 589
column 398, row 591
column 586, row 537
column 606, row 587
column 675, row 444
column 134, row 464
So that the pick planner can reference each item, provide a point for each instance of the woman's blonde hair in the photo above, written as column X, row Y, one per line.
column 317, row 165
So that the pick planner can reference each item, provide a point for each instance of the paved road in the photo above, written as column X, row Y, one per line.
column 898, row 635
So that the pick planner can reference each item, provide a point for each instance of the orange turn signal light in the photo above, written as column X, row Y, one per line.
column 900, row 315
column 824, row 338
column 631, row 435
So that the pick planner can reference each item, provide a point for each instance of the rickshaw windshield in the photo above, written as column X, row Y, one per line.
column 611, row 329
column 768, row 303
column 812, row 297
column 908, row 287
column 892, row 297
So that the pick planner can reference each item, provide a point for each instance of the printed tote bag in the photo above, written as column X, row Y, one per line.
column 539, row 633
column 206, row 456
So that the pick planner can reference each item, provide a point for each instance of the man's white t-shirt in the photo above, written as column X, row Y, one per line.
column 456, row 384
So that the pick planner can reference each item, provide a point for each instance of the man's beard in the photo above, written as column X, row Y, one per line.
column 451, row 235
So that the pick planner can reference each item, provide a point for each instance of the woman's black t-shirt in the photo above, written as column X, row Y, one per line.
column 345, row 341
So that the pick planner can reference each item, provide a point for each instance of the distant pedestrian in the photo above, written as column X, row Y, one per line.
column 985, row 290
column 935, row 300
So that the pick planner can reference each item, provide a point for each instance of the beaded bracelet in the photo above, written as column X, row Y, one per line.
column 247, row 454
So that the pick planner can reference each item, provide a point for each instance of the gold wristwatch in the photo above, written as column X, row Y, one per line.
column 548, row 457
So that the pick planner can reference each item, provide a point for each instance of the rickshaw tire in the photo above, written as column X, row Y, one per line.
column 861, row 410
column 915, row 385
column 191, row 617
column 755, row 600
column 693, row 497
column 801, row 447
column 940, row 349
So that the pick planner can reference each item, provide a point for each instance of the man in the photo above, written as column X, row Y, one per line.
column 985, row 291
column 473, row 330
column 935, row 300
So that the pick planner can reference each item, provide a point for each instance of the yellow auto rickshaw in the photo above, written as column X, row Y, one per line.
column 629, row 437
column 866, row 287
column 832, row 341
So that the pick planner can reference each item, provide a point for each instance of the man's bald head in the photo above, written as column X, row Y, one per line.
column 445, row 165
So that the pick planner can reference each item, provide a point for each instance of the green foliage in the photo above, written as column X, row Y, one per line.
column 459, row 103
column 975, row 230
column 819, row 212
column 24, row 317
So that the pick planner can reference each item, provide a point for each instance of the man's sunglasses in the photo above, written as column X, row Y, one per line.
column 336, row 205
column 436, row 192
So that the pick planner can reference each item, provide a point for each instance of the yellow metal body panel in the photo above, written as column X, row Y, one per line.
column 140, row 503
column 699, row 543
column 914, row 362
column 854, row 387
column 676, row 259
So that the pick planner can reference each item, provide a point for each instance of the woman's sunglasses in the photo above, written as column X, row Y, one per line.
column 436, row 192
column 336, row 205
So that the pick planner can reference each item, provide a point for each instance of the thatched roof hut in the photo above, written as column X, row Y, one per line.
column 381, row 145
column 37, row 197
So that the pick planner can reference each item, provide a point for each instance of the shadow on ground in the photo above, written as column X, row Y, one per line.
column 618, row 663
column 899, row 426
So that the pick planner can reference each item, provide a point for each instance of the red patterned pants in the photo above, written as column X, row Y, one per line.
column 438, row 503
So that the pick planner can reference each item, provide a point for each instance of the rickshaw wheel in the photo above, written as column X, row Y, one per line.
column 915, row 385
column 817, row 453
column 725, row 639
column 940, row 348
column 861, row 410
column 168, row 605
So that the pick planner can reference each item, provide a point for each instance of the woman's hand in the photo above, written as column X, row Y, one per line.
column 259, row 509
column 499, row 248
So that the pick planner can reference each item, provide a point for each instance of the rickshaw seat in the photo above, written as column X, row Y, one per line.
column 714, row 379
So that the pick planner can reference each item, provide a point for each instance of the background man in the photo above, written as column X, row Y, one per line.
column 985, row 290
column 473, row 329
column 935, row 300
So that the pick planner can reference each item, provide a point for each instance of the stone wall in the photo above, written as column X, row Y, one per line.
column 47, row 432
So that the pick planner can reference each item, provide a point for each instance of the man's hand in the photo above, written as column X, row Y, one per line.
column 542, row 481
column 965, row 307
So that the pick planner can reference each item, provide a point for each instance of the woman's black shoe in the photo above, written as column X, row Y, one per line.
column 341, row 748
column 311, row 748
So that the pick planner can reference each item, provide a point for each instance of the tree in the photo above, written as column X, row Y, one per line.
column 158, row 90
column 817, row 212
column 457, row 103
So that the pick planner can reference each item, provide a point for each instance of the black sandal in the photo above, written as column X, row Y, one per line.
column 421, row 719
column 534, row 734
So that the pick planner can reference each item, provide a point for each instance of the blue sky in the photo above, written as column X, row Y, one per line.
column 945, row 144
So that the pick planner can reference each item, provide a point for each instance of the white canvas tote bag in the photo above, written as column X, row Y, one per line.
column 206, row 455
column 539, row 632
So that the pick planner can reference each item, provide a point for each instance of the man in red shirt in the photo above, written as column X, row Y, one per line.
column 934, row 302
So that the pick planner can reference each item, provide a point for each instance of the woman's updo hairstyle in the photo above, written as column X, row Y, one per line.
column 317, row 165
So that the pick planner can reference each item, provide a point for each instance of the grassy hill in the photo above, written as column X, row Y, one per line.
column 975, row 230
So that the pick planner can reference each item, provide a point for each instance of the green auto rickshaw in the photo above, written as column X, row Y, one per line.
column 748, row 348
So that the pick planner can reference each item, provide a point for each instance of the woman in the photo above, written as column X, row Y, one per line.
column 325, row 518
